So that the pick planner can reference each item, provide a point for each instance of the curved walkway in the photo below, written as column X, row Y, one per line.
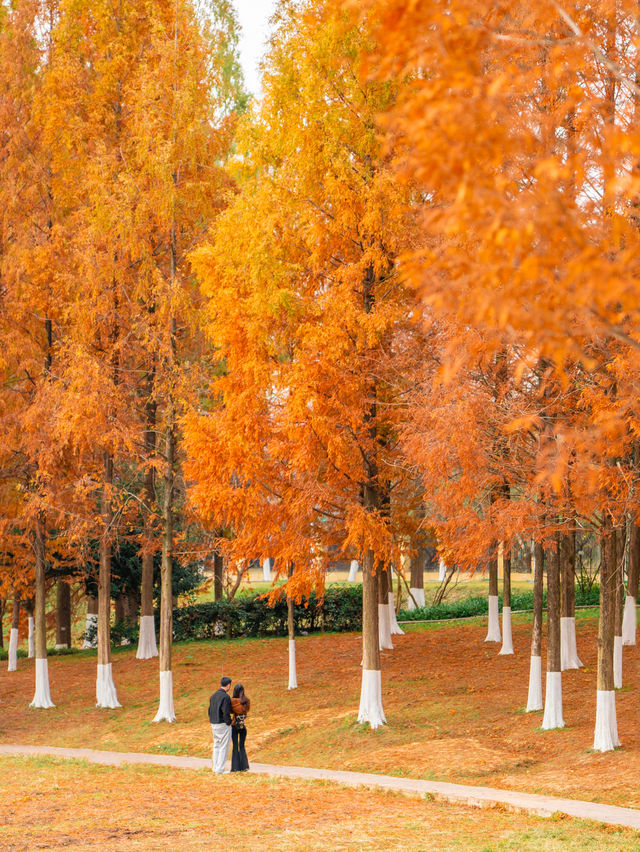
column 459, row 793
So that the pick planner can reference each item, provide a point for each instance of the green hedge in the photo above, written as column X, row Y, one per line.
column 480, row 606
column 338, row 611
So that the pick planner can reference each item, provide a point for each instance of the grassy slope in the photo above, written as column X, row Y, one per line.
column 45, row 803
column 453, row 706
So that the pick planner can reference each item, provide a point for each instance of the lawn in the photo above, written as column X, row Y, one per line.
column 50, row 804
column 454, row 709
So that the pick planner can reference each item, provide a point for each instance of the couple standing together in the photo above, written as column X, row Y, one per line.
column 227, row 716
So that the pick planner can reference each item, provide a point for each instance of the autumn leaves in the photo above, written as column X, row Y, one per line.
column 399, row 298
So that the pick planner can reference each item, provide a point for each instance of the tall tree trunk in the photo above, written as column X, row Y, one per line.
column 507, row 639
column 13, row 638
column 293, row 677
column 42, row 697
column 384, row 620
column 3, row 604
column 568, row 646
column 394, row 627
column 218, row 576
column 63, row 614
column 147, row 648
column 31, row 639
column 416, row 585
column 166, row 710
column 619, row 539
column 493, row 629
column 629, row 620
column 606, row 729
column 371, row 691
column 106, row 695
column 553, row 697
column 534, row 698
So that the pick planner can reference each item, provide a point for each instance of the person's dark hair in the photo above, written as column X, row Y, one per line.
column 225, row 681
column 238, row 692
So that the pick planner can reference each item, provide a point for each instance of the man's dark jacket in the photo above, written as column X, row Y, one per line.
column 220, row 707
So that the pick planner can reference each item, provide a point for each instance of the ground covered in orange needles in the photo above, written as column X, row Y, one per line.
column 50, row 804
column 454, row 709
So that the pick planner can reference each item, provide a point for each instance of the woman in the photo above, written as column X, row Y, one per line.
column 239, row 707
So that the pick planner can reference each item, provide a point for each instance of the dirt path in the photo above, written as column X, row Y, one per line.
column 458, row 793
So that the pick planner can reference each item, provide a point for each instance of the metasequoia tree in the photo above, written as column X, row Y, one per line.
column 536, row 229
column 297, row 450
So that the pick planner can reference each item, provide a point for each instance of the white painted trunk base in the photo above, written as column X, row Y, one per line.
column 617, row 662
column 384, row 628
column 293, row 679
column 629, row 621
column 534, row 698
column 569, row 658
column 147, row 647
column 418, row 595
column 32, row 637
column 353, row 570
column 395, row 628
column 106, row 695
column 442, row 571
column 605, row 737
column 507, row 639
column 165, row 712
column 42, row 697
column 493, row 631
column 371, row 699
column 553, row 702
column 13, row 650
column 266, row 570
column 91, row 622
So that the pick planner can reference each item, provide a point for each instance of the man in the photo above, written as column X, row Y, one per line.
column 220, row 718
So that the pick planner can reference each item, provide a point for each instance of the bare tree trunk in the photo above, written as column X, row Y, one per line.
column 568, row 646
column 493, row 629
column 630, row 620
column 42, row 697
column 166, row 711
column 606, row 729
column 534, row 698
column 416, row 585
column 3, row 604
column 293, row 676
column 218, row 576
column 63, row 614
column 147, row 648
column 384, row 620
column 31, row 628
column 619, row 540
column 507, row 638
column 106, row 695
column 13, row 638
column 553, row 697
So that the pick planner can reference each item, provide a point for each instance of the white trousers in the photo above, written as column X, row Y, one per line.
column 221, row 740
